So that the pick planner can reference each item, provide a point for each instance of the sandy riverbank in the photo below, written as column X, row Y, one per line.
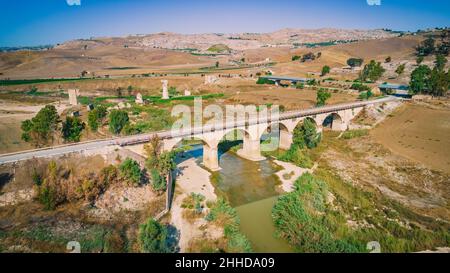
column 289, row 174
column 191, row 178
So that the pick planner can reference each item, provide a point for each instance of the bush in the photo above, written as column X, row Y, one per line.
column 158, row 182
column 372, row 71
column 306, row 135
column 153, row 237
column 360, row 87
column 222, row 214
column 96, row 117
column 117, row 120
column 193, row 201
column 322, row 97
column 297, row 156
column 131, row 171
column 325, row 70
column 72, row 129
column 47, row 196
column 354, row 62
column 264, row 81
column 299, row 218
column 41, row 128
column 365, row 95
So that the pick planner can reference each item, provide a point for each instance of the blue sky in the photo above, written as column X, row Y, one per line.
column 53, row 21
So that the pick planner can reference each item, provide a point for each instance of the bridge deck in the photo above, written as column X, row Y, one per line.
column 143, row 138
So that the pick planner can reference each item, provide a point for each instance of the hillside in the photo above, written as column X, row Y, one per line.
column 164, row 52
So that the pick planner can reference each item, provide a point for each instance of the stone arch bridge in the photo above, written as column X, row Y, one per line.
column 337, row 117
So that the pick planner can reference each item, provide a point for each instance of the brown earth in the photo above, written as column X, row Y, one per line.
column 420, row 133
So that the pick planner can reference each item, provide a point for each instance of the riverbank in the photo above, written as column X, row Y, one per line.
column 191, row 178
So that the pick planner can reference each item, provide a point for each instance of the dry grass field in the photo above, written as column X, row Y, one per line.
column 420, row 133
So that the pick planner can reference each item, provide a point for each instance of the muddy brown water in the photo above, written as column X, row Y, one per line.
column 252, row 188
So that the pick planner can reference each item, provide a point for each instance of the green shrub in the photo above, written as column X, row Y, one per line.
column 153, row 237
column 72, row 129
column 222, row 214
column 131, row 171
column 297, row 156
column 158, row 182
column 360, row 87
column 117, row 120
column 264, row 81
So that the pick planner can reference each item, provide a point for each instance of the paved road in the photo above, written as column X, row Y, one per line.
column 137, row 139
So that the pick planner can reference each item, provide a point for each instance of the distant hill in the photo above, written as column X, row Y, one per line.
column 166, row 51
column 219, row 48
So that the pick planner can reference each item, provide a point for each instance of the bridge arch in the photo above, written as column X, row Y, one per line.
column 276, row 135
column 334, row 121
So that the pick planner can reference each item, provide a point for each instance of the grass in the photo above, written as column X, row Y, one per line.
column 354, row 134
column 35, row 81
column 152, row 99
column 223, row 215
column 374, row 217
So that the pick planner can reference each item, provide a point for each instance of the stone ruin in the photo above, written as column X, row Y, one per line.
column 165, row 92
column 211, row 79
column 187, row 92
column 73, row 96
column 139, row 99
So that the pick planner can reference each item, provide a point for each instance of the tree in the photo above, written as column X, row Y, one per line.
column 306, row 135
column 354, row 62
column 400, row 69
column 42, row 127
column 296, row 57
column 325, row 70
column 96, row 117
column 365, row 95
column 158, row 182
column 426, row 48
column 119, row 92
column 372, row 71
column 131, row 171
column 420, row 79
column 308, row 57
column 160, row 164
column 72, row 129
column 419, row 60
column 440, row 62
column 130, row 90
column 438, row 82
column 117, row 120
column 153, row 237
column 322, row 97
column 217, row 64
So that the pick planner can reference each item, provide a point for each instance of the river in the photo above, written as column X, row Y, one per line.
column 252, row 188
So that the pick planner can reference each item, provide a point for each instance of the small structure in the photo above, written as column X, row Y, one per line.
column 165, row 89
column 187, row 92
column 73, row 96
column 139, row 99
column 396, row 90
column 75, row 114
column 211, row 79
column 90, row 107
